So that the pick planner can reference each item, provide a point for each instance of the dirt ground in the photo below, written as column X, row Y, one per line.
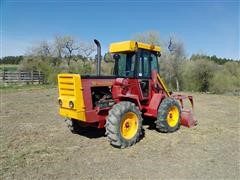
column 36, row 144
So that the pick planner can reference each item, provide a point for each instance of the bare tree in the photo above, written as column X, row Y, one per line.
column 70, row 45
column 66, row 46
column 175, row 60
column 151, row 37
column 87, row 49
column 59, row 46
column 176, row 47
column 41, row 49
column 45, row 48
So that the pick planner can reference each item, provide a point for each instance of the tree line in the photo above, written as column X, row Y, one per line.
column 11, row 60
column 213, row 58
column 201, row 73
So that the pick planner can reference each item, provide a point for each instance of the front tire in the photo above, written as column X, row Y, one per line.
column 124, row 124
column 169, row 115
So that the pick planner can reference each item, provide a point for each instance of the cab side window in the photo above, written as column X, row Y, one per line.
column 144, row 64
column 148, row 61
column 154, row 62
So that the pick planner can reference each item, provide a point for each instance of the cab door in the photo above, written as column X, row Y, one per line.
column 147, row 62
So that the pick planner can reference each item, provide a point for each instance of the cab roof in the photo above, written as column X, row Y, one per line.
column 131, row 46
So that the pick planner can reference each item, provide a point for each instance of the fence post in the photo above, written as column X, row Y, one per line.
column 32, row 76
column 3, row 75
column 19, row 76
column 39, row 77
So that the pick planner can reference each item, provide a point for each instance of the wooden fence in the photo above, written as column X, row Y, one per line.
column 22, row 77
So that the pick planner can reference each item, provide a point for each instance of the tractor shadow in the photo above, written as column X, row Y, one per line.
column 94, row 132
column 149, row 122
column 90, row 132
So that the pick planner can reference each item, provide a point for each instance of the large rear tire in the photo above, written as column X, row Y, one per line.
column 124, row 124
column 169, row 115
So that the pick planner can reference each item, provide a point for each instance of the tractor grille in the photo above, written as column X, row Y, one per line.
column 71, row 96
column 66, row 85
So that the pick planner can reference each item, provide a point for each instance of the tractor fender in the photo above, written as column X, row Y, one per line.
column 132, row 98
column 152, row 109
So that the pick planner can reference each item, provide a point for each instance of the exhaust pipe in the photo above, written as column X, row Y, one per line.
column 98, row 67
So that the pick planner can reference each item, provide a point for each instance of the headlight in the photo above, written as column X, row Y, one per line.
column 71, row 105
column 60, row 102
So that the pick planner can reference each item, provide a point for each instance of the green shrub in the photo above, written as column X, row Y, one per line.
column 198, row 74
column 80, row 67
column 226, row 79
column 204, row 75
column 45, row 65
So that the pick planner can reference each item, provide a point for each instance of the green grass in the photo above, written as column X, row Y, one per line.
column 9, row 67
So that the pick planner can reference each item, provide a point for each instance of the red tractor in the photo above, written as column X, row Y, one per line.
column 120, row 101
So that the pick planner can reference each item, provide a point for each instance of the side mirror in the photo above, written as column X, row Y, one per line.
column 116, row 56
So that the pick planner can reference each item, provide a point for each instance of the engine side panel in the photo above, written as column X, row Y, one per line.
column 96, row 97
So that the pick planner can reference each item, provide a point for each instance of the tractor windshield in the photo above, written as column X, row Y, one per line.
column 124, row 65
column 127, row 65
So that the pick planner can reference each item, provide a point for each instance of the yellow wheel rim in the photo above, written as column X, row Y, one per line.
column 129, row 125
column 173, row 116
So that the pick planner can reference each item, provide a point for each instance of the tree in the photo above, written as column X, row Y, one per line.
column 58, row 46
column 198, row 74
column 87, row 49
column 66, row 46
column 108, row 57
column 151, row 37
column 213, row 58
column 42, row 49
column 226, row 79
column 171, row 63
column 11, row 60
column 177, row 55
column 176, row 47
column 70, row 45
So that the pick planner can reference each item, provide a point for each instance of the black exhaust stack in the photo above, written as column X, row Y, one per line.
column 98, row 57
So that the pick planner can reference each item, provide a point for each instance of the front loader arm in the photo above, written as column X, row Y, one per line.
column 163, row 85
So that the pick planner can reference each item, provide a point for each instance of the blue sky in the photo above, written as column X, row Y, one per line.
column 210, row 27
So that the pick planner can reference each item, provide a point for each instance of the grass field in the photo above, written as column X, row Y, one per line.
column 36, row 144
column 22, row 87
column 9, row 67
